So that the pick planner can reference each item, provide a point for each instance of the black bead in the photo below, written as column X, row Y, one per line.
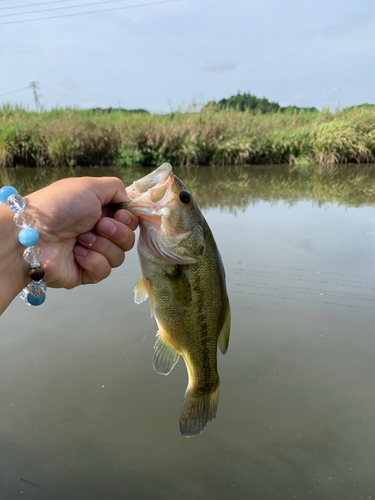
column 36, row 274
column 185, row 197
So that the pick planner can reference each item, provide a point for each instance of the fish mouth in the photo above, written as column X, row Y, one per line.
column 151, row 193
column 155, row 179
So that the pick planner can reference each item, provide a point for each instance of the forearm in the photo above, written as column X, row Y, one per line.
column 13, row 268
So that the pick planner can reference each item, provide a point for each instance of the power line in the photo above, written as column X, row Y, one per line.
column 33, row 4
column 60, row 8
column 14, row 91
column 90, row 12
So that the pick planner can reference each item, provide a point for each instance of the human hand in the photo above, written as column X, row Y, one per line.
column 81, row 239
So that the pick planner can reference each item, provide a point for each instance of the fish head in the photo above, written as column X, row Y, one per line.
column 172, row 225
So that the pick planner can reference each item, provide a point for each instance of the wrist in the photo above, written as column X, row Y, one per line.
column 15, row 261
column 14, row 270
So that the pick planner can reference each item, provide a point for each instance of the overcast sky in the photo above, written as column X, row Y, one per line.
column 304, row 52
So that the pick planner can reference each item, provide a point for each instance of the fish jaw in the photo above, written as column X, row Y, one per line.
column 150, row 195
column 144, row 193
column 155, row 178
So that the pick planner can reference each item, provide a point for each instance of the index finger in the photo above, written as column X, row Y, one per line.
column 126, row 217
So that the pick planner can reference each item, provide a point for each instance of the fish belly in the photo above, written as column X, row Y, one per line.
column 185, row 328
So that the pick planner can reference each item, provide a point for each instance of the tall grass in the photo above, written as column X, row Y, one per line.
column 74, row 137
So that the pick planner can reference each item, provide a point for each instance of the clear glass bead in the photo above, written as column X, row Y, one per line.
column 33, row 255
column 5, row 192
column 16, row 202
column 24, row 219
column 23, row 296
column 37, row 288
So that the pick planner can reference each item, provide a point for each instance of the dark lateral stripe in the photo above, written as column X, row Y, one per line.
column 203, row 352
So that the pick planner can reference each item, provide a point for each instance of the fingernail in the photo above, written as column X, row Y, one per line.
column 80, row 251
column 124, row 217
column 88, row 238
column 108, row 227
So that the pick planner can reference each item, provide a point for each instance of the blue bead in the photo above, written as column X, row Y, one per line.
column 35, row 301
column 5, row 192
column 28, row 236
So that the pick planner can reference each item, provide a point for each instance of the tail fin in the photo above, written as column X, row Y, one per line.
column 197, row 410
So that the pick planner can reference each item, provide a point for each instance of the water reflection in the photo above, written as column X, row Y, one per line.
column 232, row 187
column 83, row 414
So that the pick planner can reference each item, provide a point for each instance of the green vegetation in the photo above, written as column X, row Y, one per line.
column 74, row 137
column 248, row 102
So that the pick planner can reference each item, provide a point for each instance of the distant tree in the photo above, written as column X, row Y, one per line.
column 116, row 110
column 365, row 105
column 246, row 101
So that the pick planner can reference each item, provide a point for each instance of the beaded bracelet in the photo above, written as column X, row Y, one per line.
column 35, row 292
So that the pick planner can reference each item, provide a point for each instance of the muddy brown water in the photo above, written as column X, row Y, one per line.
column 83, row 414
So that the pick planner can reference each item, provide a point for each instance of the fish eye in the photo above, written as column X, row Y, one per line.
column 185, row 197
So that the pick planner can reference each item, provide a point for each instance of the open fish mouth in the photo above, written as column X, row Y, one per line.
column 153, row 182
column 149, row 195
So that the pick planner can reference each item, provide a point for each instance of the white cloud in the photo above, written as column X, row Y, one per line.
column 304, row 48
column 219, row 66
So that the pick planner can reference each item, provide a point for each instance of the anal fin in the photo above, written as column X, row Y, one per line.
column 223, row 339
column 165, row 356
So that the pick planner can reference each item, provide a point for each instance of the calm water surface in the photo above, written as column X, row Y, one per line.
column 83, row 414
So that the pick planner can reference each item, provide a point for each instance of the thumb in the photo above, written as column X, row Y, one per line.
column 109, row 190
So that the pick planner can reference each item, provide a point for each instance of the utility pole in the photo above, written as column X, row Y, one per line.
column 35, row 87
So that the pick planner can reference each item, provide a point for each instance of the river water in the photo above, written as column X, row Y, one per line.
column 83, row 414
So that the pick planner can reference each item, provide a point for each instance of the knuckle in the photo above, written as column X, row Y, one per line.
column 97, row 263
column 119, row 260
column 129, row 241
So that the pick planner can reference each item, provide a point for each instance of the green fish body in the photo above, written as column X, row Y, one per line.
column 184, row 278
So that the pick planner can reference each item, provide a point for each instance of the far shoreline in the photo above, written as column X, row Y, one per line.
column 71, row 137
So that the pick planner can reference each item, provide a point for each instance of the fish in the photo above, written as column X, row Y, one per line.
column 183, row 276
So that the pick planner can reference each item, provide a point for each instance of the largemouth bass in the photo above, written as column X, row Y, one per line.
column 184, row 278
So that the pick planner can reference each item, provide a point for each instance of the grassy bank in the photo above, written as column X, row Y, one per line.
column 72, row 137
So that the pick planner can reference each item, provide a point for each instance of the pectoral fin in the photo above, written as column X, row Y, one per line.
column 165, row 356
column 142, row 291
column 223, row 339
